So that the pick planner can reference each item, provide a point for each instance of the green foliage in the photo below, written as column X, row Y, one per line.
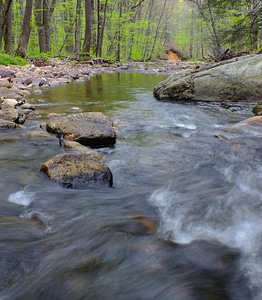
column 138, row 32
column 42, row 55
column 6, row 59
column 233, row 24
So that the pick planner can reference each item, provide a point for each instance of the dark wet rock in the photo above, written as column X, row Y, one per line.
column 236, row 80
column 43, row 82
column 77, row 170
column 75, row 76
column 6, row 73
column 89, row 129
column 27, row 81
column 148, row 223
column 257, row 110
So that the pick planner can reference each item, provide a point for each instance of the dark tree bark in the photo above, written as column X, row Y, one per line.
column 39, row 24
column 101, row 20
column 78, row 28
column 149, row 14
column 8, row 30
column 119, row 36
column 43, row 13
column 5, row 10
column 26, row 30
column 137, row 4
column 255, row 22
column 157, row 30
column 88, row 26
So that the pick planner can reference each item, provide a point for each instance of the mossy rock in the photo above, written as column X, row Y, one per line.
column 77, row 170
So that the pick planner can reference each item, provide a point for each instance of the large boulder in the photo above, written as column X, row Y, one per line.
column 236, row 80
column 77, row 170
column 89, row 129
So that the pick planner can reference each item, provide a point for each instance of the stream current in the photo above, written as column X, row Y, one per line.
column 180, row 165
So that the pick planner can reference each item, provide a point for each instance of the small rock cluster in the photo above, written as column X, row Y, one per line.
column 82, row 165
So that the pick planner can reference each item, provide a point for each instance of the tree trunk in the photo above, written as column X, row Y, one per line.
column 255, row 15
column 88, row 26
column 149, row 14
column 101, row 20
column 217, row 43
column 39, row 24
column 157, row 30
column 43, row 13
column 5, row 8
column 118, row 55
column 26, row 29
column 8, row 31
column 78, row 28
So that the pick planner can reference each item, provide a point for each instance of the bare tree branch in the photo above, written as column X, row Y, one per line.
column 138, row 4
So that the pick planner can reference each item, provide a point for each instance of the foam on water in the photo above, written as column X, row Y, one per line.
column 242, row 227
column 21, row 197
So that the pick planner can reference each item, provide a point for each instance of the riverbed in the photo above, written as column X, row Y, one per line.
column 181, row 167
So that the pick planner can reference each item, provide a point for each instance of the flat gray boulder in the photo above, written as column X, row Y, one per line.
column 89, row 129
column 239, row 79
column 77, row 170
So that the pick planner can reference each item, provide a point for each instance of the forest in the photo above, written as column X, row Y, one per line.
column 141, row 30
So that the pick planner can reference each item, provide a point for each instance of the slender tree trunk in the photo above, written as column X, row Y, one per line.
column 118, row 55
column 100, row 26
column 46, row 24
column 157, row 30
column 5, row 8
column 26, row 29
column 149, row 14
column 78, row 28
column 43, row 13
column 8, row 31
column 254, row 21
column 39, row 24
column 217, row 43
column 88, row 25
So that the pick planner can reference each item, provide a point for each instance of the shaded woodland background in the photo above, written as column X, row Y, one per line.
column 143, row 30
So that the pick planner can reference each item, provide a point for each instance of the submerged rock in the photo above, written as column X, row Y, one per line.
column 236, row 80
column 38, row 134
column 77, row 170
column 253, row 121
column 89, row 129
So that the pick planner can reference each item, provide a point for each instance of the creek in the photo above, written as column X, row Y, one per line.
column 178, row 164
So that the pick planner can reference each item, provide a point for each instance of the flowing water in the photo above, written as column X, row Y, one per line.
column 181, row 166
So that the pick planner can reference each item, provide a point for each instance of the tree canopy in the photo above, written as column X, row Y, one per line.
column 130, row 29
